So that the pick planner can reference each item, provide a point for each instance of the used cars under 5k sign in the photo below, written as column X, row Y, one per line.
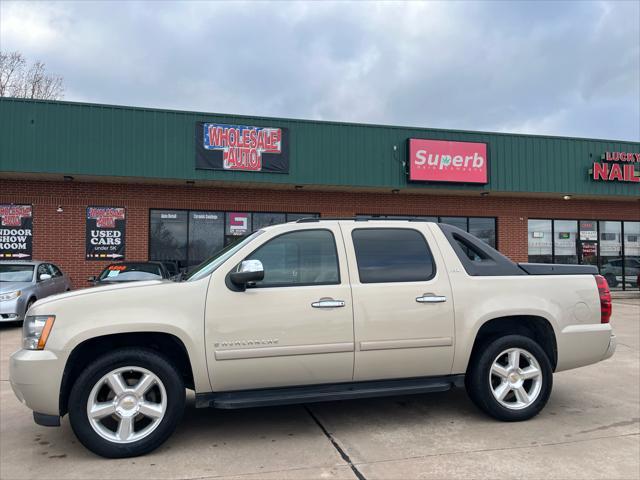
column 311, row 311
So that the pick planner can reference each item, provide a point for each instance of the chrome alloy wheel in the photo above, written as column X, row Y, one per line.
column 515, row 379
column 127, row 404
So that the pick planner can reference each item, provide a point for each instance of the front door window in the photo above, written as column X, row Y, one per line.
column 306, row 257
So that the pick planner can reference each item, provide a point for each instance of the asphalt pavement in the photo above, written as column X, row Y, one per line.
column 589, row 429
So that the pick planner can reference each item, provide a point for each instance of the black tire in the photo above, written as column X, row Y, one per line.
column 26, row 309
column 29, row 304
column 478, row 382
column 124, row 357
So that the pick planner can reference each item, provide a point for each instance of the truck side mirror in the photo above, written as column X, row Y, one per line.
column 91, row 279
column 249, row 271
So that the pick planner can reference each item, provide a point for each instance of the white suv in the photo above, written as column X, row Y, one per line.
column 310, row 311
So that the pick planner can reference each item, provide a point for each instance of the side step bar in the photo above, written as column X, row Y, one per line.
column 326, row 392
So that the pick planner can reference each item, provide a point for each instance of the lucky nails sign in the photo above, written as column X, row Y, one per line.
column 617, row 166
column 241, row 147
column 105, row 233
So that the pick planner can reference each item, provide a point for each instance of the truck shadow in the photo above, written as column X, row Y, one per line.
column 292, row 420
column 213, row 431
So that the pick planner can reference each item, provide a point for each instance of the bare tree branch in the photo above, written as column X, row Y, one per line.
column 11, row 64
column 16, row 80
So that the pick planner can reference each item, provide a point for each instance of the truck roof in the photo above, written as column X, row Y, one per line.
column 364, row 218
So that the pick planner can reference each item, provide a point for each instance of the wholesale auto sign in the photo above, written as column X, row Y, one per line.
column 444, row 161
column 241, row 147
column 16, row 232
column 105, row 233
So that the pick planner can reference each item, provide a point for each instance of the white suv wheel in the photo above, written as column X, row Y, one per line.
column 515, row 379
column 126, row 404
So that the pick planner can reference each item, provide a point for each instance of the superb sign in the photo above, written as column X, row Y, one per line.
column 444, row 161
column 241, row 147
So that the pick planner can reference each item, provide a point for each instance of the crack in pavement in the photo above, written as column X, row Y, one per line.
column 335, row 444
column 612, row 425
column 484, row 450
column 261, row 472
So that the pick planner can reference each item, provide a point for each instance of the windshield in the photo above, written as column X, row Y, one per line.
column 16, row 273
column 211, row 264
column 119, row 272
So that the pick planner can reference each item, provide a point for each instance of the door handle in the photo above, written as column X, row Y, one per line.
column 431, row 298
column 328, row 303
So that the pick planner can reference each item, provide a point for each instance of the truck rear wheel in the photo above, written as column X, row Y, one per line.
column 511, row 379
column 126, row 403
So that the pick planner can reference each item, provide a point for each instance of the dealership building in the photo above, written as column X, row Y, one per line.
column 83, row 185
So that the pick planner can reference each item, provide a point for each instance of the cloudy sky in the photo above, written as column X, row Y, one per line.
column 544, row 68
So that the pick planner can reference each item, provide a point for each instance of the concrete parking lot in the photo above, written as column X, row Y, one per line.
column 589, row 429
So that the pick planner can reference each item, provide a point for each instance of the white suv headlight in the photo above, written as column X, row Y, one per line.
column 36, row 330
column 9, row 296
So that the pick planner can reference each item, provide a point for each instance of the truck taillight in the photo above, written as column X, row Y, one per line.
column 605, row 299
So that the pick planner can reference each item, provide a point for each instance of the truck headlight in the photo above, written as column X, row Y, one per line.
column 10, row 296
column 36, row 330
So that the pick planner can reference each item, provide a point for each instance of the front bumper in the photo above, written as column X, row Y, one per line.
column 35, row 377
column 13, row 310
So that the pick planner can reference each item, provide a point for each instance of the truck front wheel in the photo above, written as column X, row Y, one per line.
column 510, row 379
column 126, row 403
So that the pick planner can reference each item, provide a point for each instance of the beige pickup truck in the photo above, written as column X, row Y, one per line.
column 310, row 311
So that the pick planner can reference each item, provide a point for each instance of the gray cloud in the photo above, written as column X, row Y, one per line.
column 562, row 68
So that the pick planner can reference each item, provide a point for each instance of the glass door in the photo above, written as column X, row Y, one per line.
column 588, row 252
column 588, row 243
column 611, row 261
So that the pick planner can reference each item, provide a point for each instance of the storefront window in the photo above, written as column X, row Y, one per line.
column 484, row 229
column 460, row 222
column 611, row 260
column 565, row 241
column 237, row 224
column 188, row 237
column 261, row 220
column 168, row 236
column 292, row 217
column 205, row 235
column 539, row 240
column 614, row 247
column 631, row 254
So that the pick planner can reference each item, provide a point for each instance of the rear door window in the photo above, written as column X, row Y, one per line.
column 392, row 255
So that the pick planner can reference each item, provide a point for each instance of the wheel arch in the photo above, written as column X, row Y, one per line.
column 164, row 343
column 535, row 327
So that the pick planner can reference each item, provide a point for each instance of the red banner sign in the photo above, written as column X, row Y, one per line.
column 16, row 231
column 443, row 161
column 241, row 147
column 12, row 215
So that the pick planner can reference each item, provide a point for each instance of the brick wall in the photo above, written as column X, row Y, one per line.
column 59, row 237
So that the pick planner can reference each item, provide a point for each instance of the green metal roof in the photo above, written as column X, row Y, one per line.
column 102, row 140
